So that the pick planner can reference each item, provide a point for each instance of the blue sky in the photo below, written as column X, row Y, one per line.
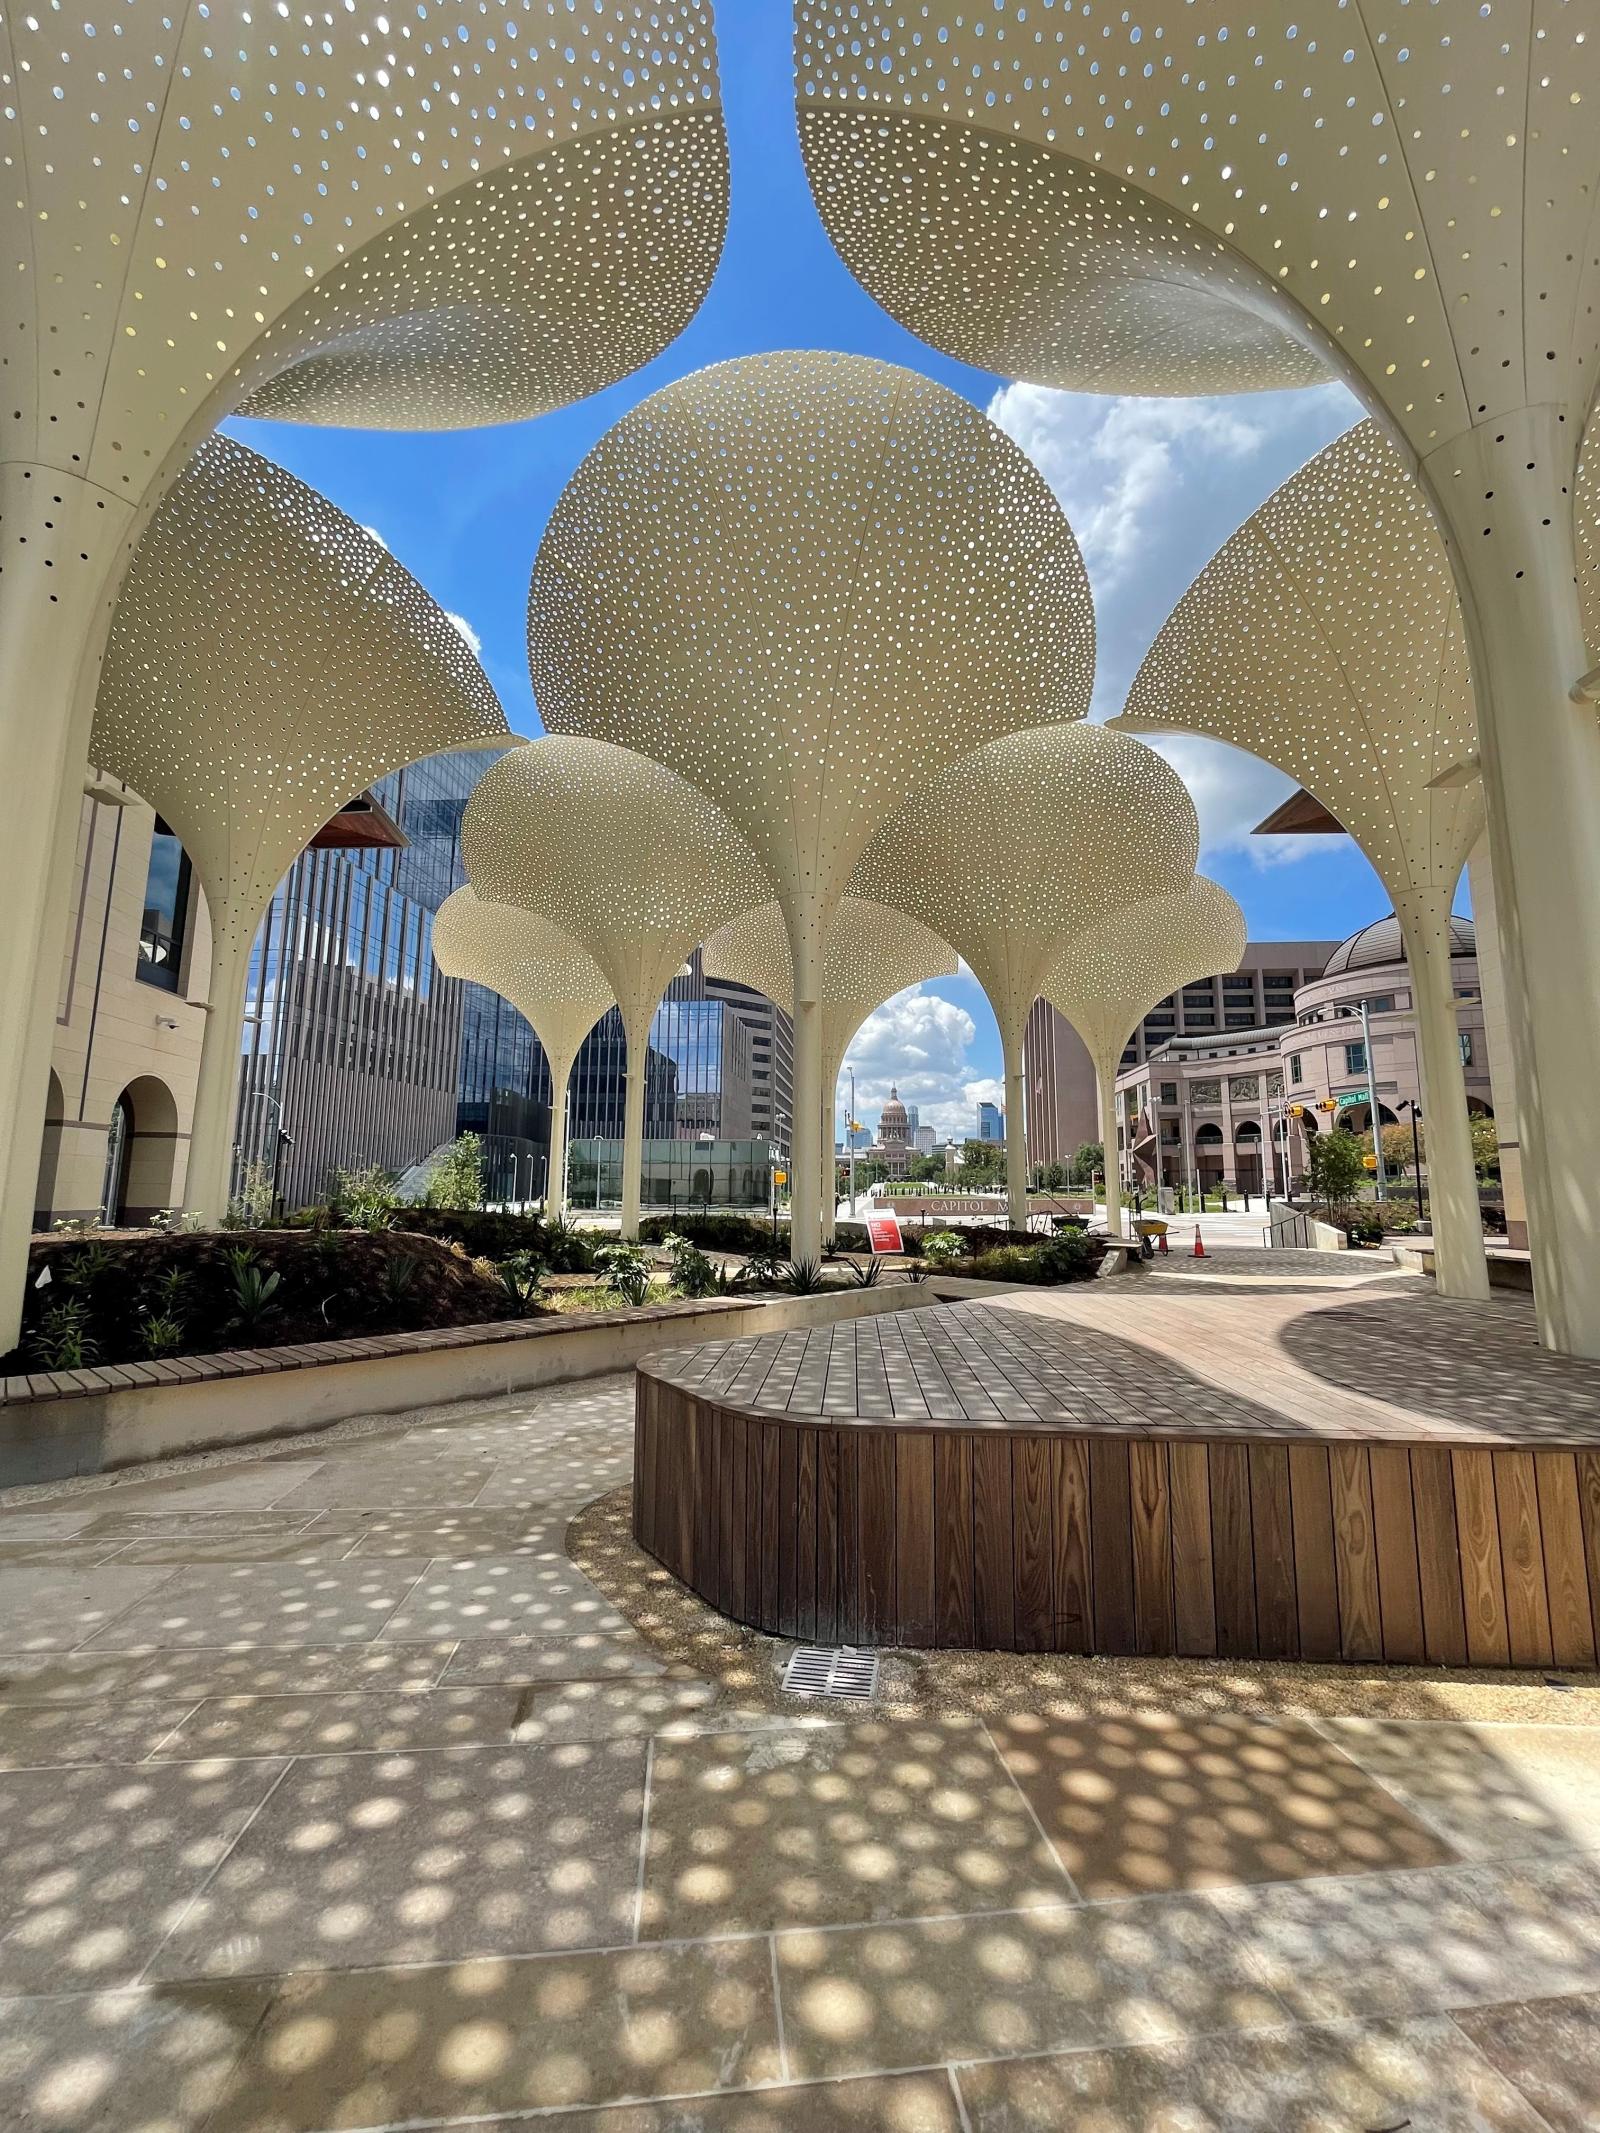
column 1152, row 488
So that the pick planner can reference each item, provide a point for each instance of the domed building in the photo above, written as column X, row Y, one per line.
column 1236, row 1108
column 893, row 1147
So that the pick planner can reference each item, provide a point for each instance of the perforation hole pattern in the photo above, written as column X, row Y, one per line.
column 543, row 972
column 1016, row 846
column 805, row 581
column 267, row 661
column 617, row 850
column 1419, row 180
column 1325, row 637
column 178, row 180
column 872, row 954
column 1113, row 972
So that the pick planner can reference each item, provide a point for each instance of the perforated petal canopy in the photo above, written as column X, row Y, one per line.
column 541, row 970
column 268, row 660
column 1028, row 839
column 1325, row 637
column 804, row 581
column 1112, row 973
column 457, row 211
column 872, row 954
column 620, row 852
column 1187, row 195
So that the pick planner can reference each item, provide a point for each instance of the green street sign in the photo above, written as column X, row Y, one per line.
column 1349, row 1097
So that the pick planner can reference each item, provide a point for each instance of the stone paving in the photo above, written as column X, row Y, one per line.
column 375, row 1780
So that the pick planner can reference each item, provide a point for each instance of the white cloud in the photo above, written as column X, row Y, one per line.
column 1232, row 792
column 1154, row 487
column 465, row 631
column 373, row 534
column 919, row 1043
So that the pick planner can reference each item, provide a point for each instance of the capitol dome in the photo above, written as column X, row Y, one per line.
column 1380, row 943
column 894, row 1127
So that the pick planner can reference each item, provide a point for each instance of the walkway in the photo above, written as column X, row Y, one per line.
column 378, row 1780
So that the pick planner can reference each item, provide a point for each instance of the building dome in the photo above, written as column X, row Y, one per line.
column 1380, row 943
column 894, row 1127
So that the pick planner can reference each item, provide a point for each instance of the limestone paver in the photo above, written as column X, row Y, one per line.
column 288, row 1669
column 100, row 1862
column 1358, row 2078
column 156, row 2061
column 1550, row 2051
column 501, row 1596
column 1493, row 1792
column 259, row 1603
column 355, row 1721
column 111, row 1730
column 1048, row 1979
column 588, row 1655
column 47, row 1610
column 1151, row 1802
column 360, row 1860
column 400, row 1483
column 462, row 2040
column 834, row 1825
column 69, row 1677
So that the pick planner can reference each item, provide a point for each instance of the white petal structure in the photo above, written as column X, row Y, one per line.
column 805, row 581
column 267, row 661
column 1113, row 972
column 872, row 954
column 1009, row 851
column 1326, row 637
column 625, row 856
column 1405, row 191
column 546, row 975
column 449, row 212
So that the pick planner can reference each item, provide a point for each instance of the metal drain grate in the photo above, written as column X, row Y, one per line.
column 821, row 1670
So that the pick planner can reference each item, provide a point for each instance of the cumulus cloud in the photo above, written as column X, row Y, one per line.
column 1153, row 488
column 465, row 631
column 919, row 1043
column 373, row 534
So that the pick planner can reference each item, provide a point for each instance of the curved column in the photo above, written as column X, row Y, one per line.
column 637, row 1039
column 216, row 1095
column 555, row 1198
column 1460, row 1266
column 1502, row 492
column 1105, row 1081
column 64, row 549
column 1016, row 1135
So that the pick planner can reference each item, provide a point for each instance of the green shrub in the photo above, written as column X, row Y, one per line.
column 251, row 1205
column 456, row 1179
column 62, row 1339
column 521, row 1276
column 365, row 1199
column 1070, row 1257
column 943, row 1246
column 692, row 1272
column 718, row 1232
column 488, row 1233
column 803, row 1277
column 625, row 1270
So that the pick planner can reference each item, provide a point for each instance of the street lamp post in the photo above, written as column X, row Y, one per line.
column 1406, row 1104
column 850, row 1139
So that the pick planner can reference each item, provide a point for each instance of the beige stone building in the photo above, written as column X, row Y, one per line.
column 129, row 1018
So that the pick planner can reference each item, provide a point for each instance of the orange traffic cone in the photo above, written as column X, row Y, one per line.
column 1199, row 1248
column 1161, row 1245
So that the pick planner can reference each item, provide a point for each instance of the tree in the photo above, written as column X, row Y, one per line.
column 456, row 1179
column 1485, row 1146
column 1336, row 1166
column 982, row 1161
column 1088, row 1162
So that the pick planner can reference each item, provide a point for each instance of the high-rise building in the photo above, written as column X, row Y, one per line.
column 913, row 1118
column 991, row 1122
column 925, row 1138
column 351, row 1046
column 771, row 1060
column 1062, row 1107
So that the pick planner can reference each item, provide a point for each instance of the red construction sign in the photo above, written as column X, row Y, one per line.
column 883, row 1230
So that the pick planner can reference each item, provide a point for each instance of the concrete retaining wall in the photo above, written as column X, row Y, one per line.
column 87, row 1422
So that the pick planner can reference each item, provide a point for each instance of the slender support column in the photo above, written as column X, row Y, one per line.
column 64, row 543
column 1461, row 1267
column 638, row 1044
column 1016, row 1126
column 1504, row 494
column 216, row 1095
column 830, row 1181
column 805, row 1169
column 1502, row 1071
column 555, row 1198
column 1105, row 1077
